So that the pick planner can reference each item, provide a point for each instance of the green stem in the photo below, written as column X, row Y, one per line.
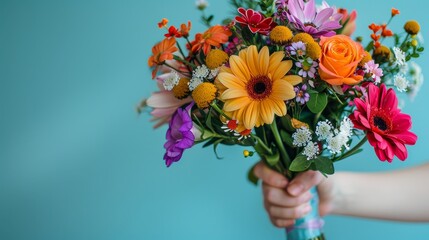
column 177, row 58
column 351, row 151
column 220, row 111
column 283, row 153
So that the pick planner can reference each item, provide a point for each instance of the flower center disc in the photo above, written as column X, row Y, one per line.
column 380, row 121
column 259, row 87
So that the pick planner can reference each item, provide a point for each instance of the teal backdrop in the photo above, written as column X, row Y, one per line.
column 77, row 162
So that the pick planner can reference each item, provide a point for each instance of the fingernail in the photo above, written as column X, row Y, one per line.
column 296, row 189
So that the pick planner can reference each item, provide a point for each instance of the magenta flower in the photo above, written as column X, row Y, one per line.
column 387, row 129
column 179, row 135
column 255, row 21
column 305, row 17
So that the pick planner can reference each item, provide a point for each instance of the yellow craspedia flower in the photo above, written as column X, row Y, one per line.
column 181, row 90
column 257, row 86
column 215, row 58
column 303, row 37
column 281, row 35
column 366, row 58
column 412, row 27
column 298, row 124
column 382, row 51
column 414, row 43
column 313, row 50
column 204, row 94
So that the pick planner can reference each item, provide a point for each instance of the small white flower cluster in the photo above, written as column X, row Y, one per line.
column 399, row 56
column 198, row 76
column 171, row 80
column 400, row 82
column 335, row 139
column 301, row 137
column 339, row 138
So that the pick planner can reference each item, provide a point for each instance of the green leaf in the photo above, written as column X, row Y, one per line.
column 272, row 159
column 420, row 49
column 287, row 138
column 215, row 145
column 300, row 164
column 415, row 55
column 210, row 142
column 407, row 58
column 317, row 102
column 251, row 176
column 324, row 165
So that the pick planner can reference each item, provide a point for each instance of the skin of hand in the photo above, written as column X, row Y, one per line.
column 286, row 200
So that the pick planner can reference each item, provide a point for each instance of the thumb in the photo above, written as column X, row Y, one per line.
column 303, row 182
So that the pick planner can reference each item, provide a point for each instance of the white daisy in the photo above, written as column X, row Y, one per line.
column 335, row 144
column 214, row 73
column 399, row 56
column 171, row 81
column 346, row 127
column 201, row 72
column 194, row 82
column 201, row 4
column 311, row 150
column 301, row 137
column 400, row 82
column 324, row 130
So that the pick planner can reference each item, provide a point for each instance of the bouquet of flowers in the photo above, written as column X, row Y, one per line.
column 285, row 79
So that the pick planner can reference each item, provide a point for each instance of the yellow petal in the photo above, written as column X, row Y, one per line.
column 264, row 60
column 282, row 90
column 235, row 104
column 249, row 116
column 275, row 60
column 279, row 107
column 230, row 81
column 267, row 112
column 252, row 60
column 282, row 69
column 293, row 79
column 233, row 93
column 239, row 68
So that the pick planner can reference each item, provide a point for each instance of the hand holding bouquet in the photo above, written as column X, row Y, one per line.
column 285, row 79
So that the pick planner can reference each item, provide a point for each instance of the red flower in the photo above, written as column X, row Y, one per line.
column 173, row 32
column 256, row 22
column 386, row 127
column 395, row 12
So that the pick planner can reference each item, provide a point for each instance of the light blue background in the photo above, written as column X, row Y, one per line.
column 76, row 162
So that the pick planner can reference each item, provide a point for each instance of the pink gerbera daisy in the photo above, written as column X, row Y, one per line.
column 387, row 129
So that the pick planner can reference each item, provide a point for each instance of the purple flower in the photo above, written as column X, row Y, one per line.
column 308, row 67
column 281, row 6
column 301, row 95
column 372, row 68
column 305, row 17
column 179, row 135
column 297, row 48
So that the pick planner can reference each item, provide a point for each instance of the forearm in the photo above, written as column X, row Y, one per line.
column 398, row 195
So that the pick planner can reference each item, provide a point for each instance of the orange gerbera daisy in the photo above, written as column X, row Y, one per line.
column 161, row 52
column 257, row 86
column 214, row 36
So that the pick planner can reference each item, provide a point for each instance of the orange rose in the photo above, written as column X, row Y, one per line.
column 340, row 57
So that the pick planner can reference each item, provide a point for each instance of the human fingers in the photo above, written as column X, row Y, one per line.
column 303, row 182
column 288, row 213
column 279, row 197
column 269, row 176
